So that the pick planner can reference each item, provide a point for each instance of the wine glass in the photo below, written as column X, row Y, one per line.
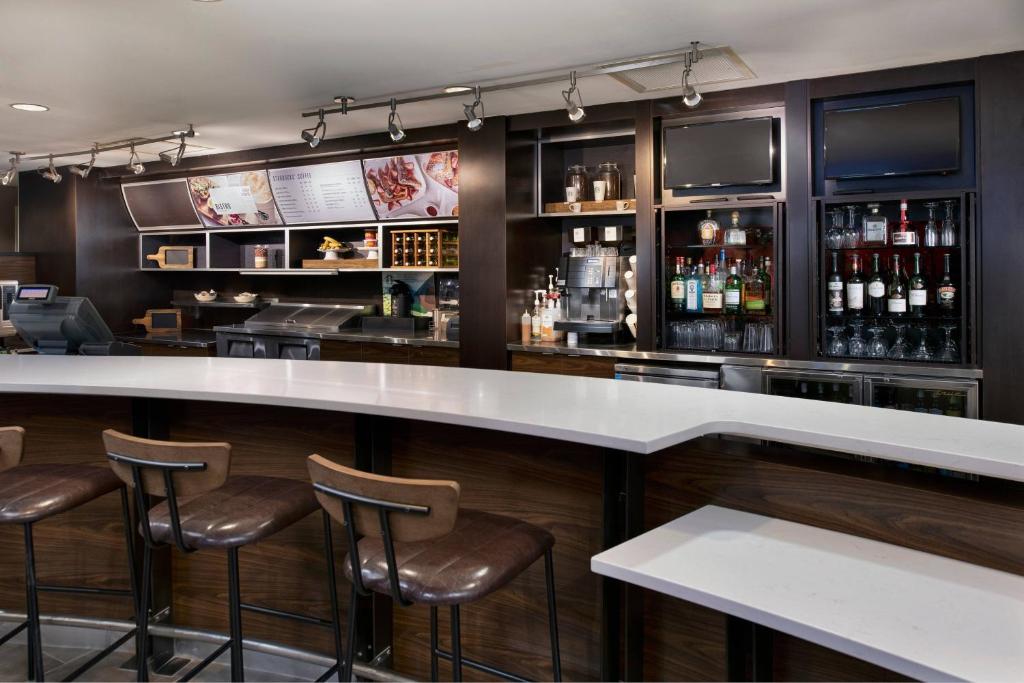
column 877, row 347
column 858, row 348
column 851, row 235
column 837, row 347
column 949, row 353
column 899, row 349
column 931, row 229
column 922, row 353
column 949, row 225
column 834, row 236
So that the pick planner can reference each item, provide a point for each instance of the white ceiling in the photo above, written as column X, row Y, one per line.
column 243, row 70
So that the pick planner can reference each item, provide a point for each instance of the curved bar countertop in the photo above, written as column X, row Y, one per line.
column 630, row 416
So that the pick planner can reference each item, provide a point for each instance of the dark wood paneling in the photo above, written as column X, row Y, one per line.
column 646, row 230
column 434, row 355
column 1001, row 238
column 341, row 351
column 525, row 361
column 559, row 364
column 48, row 228
column 20, row 267
column 482, row 245
column 799, row 239
column 385, row 353
column 8, row 218
column 939, row 73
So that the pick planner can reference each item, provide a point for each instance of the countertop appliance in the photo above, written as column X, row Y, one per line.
column 595, row 294
column 288, row 330
column 7, row 290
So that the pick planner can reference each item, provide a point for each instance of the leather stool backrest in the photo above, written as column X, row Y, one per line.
column 439, row 497
column 12, row 443
column 153, row 454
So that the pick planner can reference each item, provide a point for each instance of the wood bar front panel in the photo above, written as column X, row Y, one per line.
column 559, row 364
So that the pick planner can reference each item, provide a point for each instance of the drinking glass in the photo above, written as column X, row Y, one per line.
column 767, row 338
column 949, row 225
column 750, row 337
column 931, row 228
column 851, row 233
column 899, row 348
column 949, row 353
column 732, row 341
column 834, row 236
column 837, row 347
column 922, row 353
column 877, row 347
column 858, row 348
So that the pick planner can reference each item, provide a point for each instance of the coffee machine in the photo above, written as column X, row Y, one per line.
column 594, row 289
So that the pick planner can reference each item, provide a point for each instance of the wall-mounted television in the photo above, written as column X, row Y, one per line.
column 718, row 154
column 910, row 138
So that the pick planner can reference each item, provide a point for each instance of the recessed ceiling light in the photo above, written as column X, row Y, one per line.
column 24, row 106
column 185, row 131
column 453, row 89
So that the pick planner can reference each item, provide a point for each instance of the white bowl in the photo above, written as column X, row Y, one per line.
column 206, row 297
column 245, row 297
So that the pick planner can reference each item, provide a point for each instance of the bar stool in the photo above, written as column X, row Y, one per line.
column 30, row 493
column 205, row 508
column 418, row 547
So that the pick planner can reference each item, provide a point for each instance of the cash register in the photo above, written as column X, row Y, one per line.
column 63, row 325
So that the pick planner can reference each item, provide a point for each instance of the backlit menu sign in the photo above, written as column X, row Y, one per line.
column 414, row 185
column 234, row 200
column 324, row 193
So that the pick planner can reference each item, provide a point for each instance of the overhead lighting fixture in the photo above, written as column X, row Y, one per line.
column 344, row 101
column 10, row 174
column 83, row 171
column 691, row 98
column 574, row 109
column 315, row 135
column 51, row 173
column 456, row 89
column 395, row 130
column 174, row 156
column 473, row 121
column 25, row 106
column 134, row 163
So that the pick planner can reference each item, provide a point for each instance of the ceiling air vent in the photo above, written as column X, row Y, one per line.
column 664, row 72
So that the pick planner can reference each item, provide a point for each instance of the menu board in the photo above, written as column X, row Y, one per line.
column 323, row 193
column 234, row 200
column 160, row 205
column 414, row 185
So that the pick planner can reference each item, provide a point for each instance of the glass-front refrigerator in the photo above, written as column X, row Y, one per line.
column 956, row 398
column 836, row 387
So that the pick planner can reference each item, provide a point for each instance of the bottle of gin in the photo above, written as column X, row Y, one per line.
column 733, row 291
column 694, row 290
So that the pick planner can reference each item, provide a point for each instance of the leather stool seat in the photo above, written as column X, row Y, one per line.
column 242, row 511
column 29, row 493
column 482, row 553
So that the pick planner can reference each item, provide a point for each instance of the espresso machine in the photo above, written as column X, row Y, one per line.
column 594, row 289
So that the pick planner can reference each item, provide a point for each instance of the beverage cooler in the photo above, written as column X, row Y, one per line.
column 953, row 397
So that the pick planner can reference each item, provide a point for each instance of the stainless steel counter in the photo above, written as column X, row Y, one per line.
column 630, row 352
column 354, row 335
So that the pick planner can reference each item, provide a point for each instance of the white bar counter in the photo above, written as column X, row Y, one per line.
column 630, row 416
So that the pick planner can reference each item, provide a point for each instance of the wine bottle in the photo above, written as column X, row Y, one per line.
column 835, row 287
column 946, row 290
column 918, row 289
column 876, row 288
column 896, row 295
column 855, row 288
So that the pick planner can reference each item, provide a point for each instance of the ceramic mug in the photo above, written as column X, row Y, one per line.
column 575, row 207
column 621, row 204
column 600, row 187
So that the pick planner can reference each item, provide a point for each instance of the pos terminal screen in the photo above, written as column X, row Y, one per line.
column 35, row 294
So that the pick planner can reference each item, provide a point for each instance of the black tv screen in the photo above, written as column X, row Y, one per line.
column 901, row 139
column 719, row 153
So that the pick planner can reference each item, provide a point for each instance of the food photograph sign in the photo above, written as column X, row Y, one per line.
column 414, row 185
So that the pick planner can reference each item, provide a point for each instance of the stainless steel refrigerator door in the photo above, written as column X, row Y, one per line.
column 837, row 387
column 938, row 396
column 654, row 374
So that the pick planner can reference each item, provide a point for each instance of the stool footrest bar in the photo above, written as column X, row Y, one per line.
column 327, row 674
column 305, row 618
column 10, row 634
column 85, row 590
column 480, row 666
column 205, row 663
column 102, row 654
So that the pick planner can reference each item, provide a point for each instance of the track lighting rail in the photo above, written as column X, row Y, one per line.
column 111, row 146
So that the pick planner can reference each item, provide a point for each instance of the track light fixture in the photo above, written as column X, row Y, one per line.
column 473, row 121
column 691, row 98
column 10, row 174
column 574, row 109
column 315, row 135
column 51, row 173
column 174, row 156
column 395, row 130
column 83, row 171
column 134, row 163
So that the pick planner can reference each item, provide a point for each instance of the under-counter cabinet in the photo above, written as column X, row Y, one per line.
column 388, row 353
column 562, row 364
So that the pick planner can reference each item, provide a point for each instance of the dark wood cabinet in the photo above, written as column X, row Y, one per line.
column 351, row 352
column 388, row 353
column 560, row 364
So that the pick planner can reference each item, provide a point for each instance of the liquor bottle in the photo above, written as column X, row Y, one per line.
column 904, row 234
column 712, row 294
column 896, row 295
column 677, row 288
column 946, row 290
column 876, row 288
column 918, row 289
column 855, row 288
column 835, row 287
column 733, row 291
column 875, row 226
column 707, row 229
column 735, row 234
column 694, row 287
column 766, row 279
column 753, row 299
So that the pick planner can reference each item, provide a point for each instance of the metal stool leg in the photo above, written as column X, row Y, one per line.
column 235, row 615
column 433, row 643
column 549, row 579
column 456, row 645
column 350, row 644
column 35, row 640
column 142, row 617
column 333, row 591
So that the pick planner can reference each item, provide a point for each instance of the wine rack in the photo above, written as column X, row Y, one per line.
column 424, row 248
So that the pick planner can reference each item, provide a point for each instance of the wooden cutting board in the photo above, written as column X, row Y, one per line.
column 341, row 264
column 585, row 207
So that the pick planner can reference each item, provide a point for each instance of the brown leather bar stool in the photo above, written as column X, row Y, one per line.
column 205, row 508
column 418, row 547
column 30, row 493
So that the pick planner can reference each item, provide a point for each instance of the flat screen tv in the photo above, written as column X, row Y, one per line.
column 911, row 138
column 719, row 153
